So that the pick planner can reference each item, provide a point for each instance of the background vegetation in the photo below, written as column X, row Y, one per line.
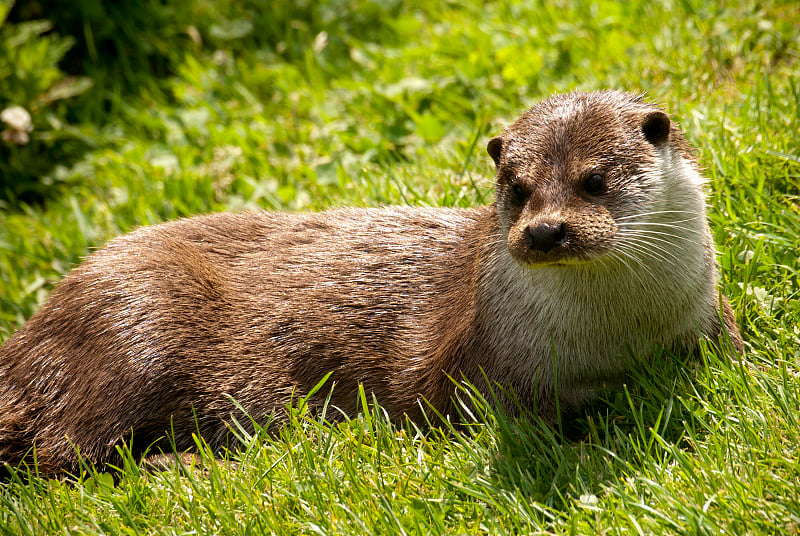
column 147, row 111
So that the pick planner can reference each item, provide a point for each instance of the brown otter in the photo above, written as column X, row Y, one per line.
column 596, row 246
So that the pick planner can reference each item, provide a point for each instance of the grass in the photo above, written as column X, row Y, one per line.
column 394, row 104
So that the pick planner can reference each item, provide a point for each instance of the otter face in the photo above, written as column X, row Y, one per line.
column 572, row 167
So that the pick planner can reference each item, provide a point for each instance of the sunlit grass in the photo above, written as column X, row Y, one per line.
column 400, row 113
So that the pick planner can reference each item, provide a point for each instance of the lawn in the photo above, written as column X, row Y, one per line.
column 251, row 104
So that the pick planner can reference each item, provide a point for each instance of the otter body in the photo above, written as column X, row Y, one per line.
column 596, row 248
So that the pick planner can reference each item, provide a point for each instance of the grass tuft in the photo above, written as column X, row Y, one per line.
column 305, row 107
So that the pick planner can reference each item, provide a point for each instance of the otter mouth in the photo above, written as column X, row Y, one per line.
column 561, row 263
column 561, row 257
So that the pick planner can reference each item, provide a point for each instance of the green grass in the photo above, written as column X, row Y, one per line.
column 394, row 105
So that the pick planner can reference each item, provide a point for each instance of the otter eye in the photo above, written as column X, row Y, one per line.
column 518, row 192
column 594, row 184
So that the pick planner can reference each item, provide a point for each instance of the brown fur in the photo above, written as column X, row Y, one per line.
column 163, row 325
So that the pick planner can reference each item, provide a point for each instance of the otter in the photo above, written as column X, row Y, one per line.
column 596, row 248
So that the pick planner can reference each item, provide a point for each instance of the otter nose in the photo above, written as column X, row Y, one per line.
column 545, row 236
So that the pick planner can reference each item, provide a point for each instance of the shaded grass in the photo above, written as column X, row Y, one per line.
column 400, row 114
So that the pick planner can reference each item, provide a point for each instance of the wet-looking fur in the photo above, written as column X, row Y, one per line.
column 597, row 247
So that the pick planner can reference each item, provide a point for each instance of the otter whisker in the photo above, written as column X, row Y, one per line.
column 671, row 225
column 670, row 238
column 637, row 251
column 660, row 212
column 660, row 238
column 650, row 249
column 671, row 243
column 621, row 256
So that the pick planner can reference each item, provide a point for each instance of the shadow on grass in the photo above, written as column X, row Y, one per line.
column 628, row 430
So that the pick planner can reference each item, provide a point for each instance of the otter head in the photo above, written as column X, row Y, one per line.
column 574, row 166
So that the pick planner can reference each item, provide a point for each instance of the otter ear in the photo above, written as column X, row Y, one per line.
column 655, row 127
column 494, row 147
